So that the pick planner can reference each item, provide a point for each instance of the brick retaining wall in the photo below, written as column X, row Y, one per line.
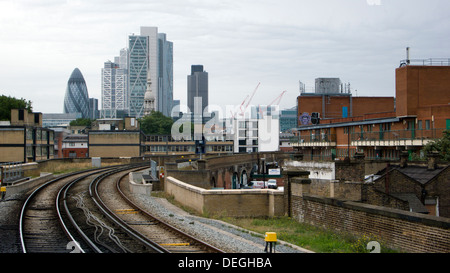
column 398, row 229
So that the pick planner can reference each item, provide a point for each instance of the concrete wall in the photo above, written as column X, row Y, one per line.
column 137, row 184
column 28, row 185
column 236, row 203
column 318, row 170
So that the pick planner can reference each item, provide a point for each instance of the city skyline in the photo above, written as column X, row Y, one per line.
column 241, row 43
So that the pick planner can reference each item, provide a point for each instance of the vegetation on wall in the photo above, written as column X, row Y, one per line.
column 441, row 146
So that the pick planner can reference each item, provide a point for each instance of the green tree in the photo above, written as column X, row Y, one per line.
column 156, row 123
column 441, row 145
column 81, row 122
column 7, row 103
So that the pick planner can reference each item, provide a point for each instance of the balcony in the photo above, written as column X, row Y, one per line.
column 314, row 140
column 396, row 138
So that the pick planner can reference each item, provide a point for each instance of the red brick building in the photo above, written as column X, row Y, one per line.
column 75, row 146
column 381, row 127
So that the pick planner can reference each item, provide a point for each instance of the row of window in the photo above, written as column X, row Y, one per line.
column 249, row 133
column 186, row 148
column 40, row 151
column 248, row 124
column 39, row 134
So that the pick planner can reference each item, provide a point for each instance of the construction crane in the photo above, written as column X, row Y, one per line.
column 246, row 106
column 276, row 101
column 242, row 110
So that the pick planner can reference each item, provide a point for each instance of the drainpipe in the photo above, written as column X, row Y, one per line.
column 386, row 179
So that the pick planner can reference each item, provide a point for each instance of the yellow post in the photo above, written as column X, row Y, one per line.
column 271, row 239
column 3, row 192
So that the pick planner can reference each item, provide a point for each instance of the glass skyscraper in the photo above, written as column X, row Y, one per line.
column 76, row 99
column 148, row 53
column 138, row 64
column 165, row 82
column 197, row 87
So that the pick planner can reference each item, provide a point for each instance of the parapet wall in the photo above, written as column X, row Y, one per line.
column 236, row 203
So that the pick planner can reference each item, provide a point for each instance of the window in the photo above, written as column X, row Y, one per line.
column 427, row 124
column 419, row 125
column 29, row 134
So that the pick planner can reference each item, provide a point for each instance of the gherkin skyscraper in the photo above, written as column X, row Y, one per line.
column 76, row 99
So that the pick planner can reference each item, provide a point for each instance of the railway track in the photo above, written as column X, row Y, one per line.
column 109, row 193
column 83, row 213
column 40, row 227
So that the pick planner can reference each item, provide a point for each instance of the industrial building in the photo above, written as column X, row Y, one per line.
column 335, row 124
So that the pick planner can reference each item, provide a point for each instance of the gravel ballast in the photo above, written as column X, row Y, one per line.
column 223, row 235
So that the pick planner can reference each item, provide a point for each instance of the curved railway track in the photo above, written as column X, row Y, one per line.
column 40, row 227
column 169, row 239
column 83, row 213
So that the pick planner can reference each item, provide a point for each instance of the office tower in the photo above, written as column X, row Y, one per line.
column 197, row 87
column 137, row 74
column 288, row 119
column 93, row 108
column 153, row 60
column 147, row 54
column 150, row 54
column 165, row 82
column 114, row 87
column 76, row 99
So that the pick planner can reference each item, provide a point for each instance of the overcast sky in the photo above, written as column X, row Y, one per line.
column 240, row 43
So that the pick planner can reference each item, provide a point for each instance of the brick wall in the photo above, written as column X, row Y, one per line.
column 404, row 230
column 350, row 170
column 439, row 187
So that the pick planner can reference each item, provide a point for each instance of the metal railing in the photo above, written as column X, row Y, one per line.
column 408, row 134
column 10, row 172
column 327, row 138
column 427, row 62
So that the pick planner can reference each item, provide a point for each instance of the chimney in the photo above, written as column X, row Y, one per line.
column 432, row 156
column 407, row 56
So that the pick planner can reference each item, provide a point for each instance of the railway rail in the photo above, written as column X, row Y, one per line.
column 171, row 238
column 81, row 212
